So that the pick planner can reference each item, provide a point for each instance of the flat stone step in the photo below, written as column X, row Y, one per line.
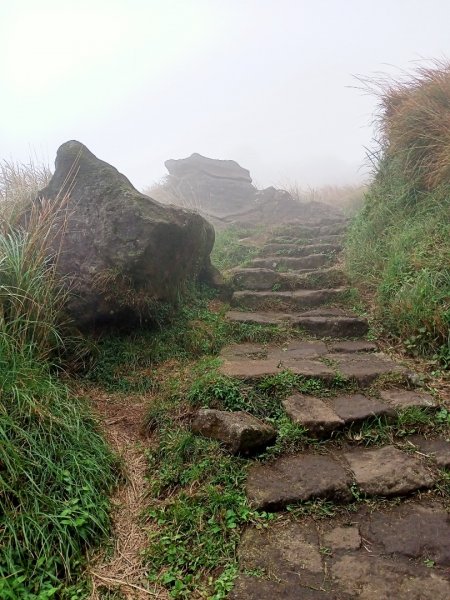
column 295, row 300
column 322, row 417
column 323, row 324
column 374, row 555
column 384, row 472
column 263, row 279
column 313, row 231
column 298, row 250
column 321, row 239
column 314, row 261
column 297, row 478
column 306, row 358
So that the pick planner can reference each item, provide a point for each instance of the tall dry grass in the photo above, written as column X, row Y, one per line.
column 399, row 245
column 413, row 122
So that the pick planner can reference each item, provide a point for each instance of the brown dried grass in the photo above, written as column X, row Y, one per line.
column 413, row 121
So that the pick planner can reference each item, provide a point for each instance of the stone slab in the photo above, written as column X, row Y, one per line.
column 298, row 350
column 296, row 478
column 332, row 326
column 295, row 300
column 438, row 449
column 254, row 279
column 353, row 408
column 349, row 346
column 413, row 531
column 259, row 318
column 292, row 249
column 242, row 351
column 312, row 413
column 402, row 399
column 365, row 368
column 374, row 578
column 249, row 369
column 313, row 261
column 388, row 471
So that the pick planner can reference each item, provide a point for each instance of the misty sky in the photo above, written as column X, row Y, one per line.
column 264, row 82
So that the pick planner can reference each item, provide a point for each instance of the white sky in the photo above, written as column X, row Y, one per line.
column 264, row 82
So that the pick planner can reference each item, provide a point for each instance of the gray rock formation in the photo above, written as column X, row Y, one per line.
column 223, row 192
column 217, row 188
column 121, row 250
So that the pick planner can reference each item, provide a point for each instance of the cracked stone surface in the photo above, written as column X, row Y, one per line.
column 413, row 531
column 388, row 471
column 374, row 555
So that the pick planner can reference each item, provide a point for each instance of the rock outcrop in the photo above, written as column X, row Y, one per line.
column 217, row 188
column 121, row 251
column 223, row 192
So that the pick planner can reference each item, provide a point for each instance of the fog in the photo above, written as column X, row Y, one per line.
column 269, row 83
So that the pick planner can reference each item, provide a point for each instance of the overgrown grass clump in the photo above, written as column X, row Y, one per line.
column 55, row 475
column 55, row 469
column 399, row 245
column 230, row 248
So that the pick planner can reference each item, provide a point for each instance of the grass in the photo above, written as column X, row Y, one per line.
column 56, row 470
column 229, row 252
column 398, row 247
column 56, row 473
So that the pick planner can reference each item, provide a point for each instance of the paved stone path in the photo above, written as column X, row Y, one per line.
column 390, row 550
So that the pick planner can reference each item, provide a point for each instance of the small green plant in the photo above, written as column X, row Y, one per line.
column 198, row 507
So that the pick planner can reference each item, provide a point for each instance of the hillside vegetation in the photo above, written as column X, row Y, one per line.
column 55, row 468
column 399, row 244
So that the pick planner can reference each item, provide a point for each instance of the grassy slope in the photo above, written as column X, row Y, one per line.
column 55, row 469
column 399, row 245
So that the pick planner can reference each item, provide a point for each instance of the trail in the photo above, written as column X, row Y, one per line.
column 377, row 549
column 124, row 569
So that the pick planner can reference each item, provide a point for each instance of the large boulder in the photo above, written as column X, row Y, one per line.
column 122, row 251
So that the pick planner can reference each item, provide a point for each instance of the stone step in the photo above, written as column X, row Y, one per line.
column 260, row 279
column 384, row 471
column 297, row 250
column 337, row 238
column 312, row 231
column 309, row 359
column 324, row 416
column 377, row 554
column 322, row 323
column 313, row 261
column 293, row 300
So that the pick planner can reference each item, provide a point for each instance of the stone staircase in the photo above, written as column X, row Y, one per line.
column 395, row 551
